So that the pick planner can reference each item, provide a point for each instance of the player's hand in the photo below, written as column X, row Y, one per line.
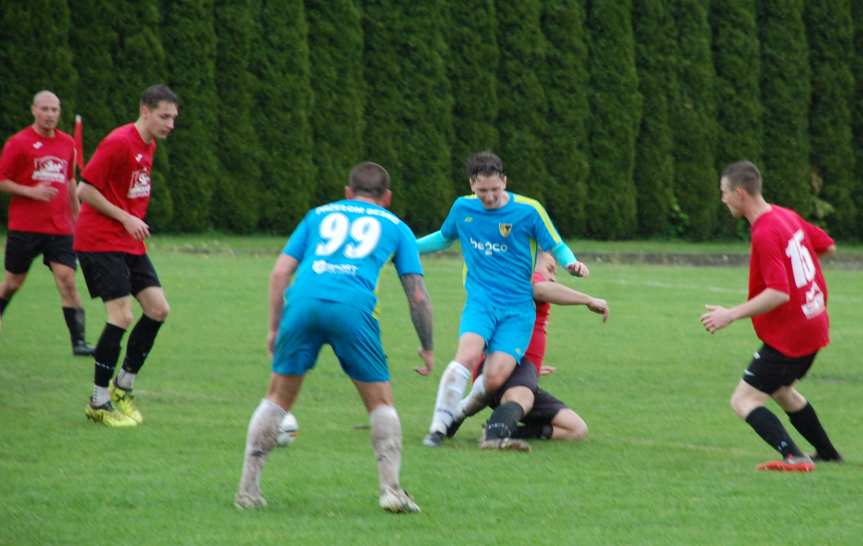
column 546, row 370
column 136, row 227
column 43, row 192
column 578, row 269
column 716, row 318
column 428, row 361
column 271, row 341
column 600, row 307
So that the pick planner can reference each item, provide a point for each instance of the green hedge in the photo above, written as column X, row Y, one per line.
column 617, row 115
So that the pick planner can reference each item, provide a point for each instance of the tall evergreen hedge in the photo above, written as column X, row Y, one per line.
column 523, row 115
column 565, row 80
column 194, row 164
column 857, row 110
column 656, row 59
column 693, row 116
column 830, row 33
column 615, row 106
column 472, row 70
column 785, row 92
column 338, row 87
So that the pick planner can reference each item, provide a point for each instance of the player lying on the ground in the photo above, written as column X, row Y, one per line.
column 520, row 399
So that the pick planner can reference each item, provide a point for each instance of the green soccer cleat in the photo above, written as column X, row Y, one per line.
column 108, row 415
column 124, row 401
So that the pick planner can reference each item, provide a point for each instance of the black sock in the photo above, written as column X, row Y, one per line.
column 140, row 342
column 75, row 323
column 107, row 353
column 541, row 431
column 4, row 302
column 807, row 423
column 771, row 431
column 503, row 421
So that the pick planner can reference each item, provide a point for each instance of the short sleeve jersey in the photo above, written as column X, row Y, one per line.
column 120, row 169
column 784, row 257
column 342, row 247
column 31, row 159
column 499, row 246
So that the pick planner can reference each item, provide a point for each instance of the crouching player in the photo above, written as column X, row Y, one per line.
column 519, row 400
column 337, row 252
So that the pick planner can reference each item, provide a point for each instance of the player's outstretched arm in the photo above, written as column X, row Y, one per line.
column 421, row 316
column 558, row 294
column 280, row 279
column 718, row 317
column 433, row 242
column 565, row 257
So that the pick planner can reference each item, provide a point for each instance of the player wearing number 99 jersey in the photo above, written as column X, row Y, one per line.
column 337, row 253
column 788, row 306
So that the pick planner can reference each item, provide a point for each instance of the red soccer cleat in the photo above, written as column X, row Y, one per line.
column 791, row 463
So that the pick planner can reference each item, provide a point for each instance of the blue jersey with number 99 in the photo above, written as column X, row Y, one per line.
column 342, row 247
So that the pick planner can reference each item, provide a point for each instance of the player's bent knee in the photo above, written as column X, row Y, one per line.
column 569, row 426
column 159, row 312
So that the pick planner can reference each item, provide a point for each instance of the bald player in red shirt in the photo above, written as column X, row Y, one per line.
column 788, row 307
column 37, row 169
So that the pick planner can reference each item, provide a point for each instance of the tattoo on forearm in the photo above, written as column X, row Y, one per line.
column 421, row 309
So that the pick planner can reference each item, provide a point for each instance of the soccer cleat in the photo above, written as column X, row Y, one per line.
column 398, row 501
column 818, row 458
column 791, row 463
column 108, row 415
column 513, row 444
column 125, row 402
column 453, row 427
column 249, row 500
column 80, row 348
column 433, row 439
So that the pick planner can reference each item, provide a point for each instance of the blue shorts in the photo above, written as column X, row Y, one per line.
column 505, row 330
column 354, row 335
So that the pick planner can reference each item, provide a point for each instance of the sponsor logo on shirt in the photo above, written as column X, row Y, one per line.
column 505, row 229
column 140, row 184
column 814, row 305
column 322, row 266
column 49, row 169
column 488, row 248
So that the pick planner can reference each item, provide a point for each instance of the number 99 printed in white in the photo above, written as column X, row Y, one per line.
column 365, row 232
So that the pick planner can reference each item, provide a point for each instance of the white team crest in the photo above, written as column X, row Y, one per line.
column 37, row 145
column 139, row 157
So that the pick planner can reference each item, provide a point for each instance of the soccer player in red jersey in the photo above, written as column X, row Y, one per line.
column 109, row 240
column 544, row 416
column 788, row 306
column 37, row 168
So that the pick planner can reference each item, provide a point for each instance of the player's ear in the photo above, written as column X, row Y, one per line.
column 349, row 193
column 386, row 199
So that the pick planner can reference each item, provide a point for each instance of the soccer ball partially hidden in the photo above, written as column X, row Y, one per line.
column 288, row 430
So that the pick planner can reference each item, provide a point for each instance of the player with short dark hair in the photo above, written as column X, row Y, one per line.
column 336, row 254
column 37, row 168
column 545, row 416
column 109, row 239
column 499, row 233
column 788, row 306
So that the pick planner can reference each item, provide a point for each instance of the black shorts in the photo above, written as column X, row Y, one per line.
column 524, row 375
column 771, row 370
column 112, row 275
column 545, row 407
column 22, row 247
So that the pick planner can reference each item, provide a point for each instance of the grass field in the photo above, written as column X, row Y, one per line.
column 666, row 462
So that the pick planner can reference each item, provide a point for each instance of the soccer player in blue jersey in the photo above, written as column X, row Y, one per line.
column 499, row 233
column 337, row 253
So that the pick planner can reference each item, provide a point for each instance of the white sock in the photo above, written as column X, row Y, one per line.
column 260, row 440
column 387, row 444
column 449, row 392
column 475, row 401
column 125, row 380
column 100, row 396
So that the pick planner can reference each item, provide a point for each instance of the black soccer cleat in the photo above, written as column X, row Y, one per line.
column 818, row 458
column 433, row 439
column 80, row 348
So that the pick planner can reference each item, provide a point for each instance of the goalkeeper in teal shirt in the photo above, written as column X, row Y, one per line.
column 499, row 232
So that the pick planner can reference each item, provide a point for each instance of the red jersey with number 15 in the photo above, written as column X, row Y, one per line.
column 120, row 169
column 31, row 159
column 784, row 256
